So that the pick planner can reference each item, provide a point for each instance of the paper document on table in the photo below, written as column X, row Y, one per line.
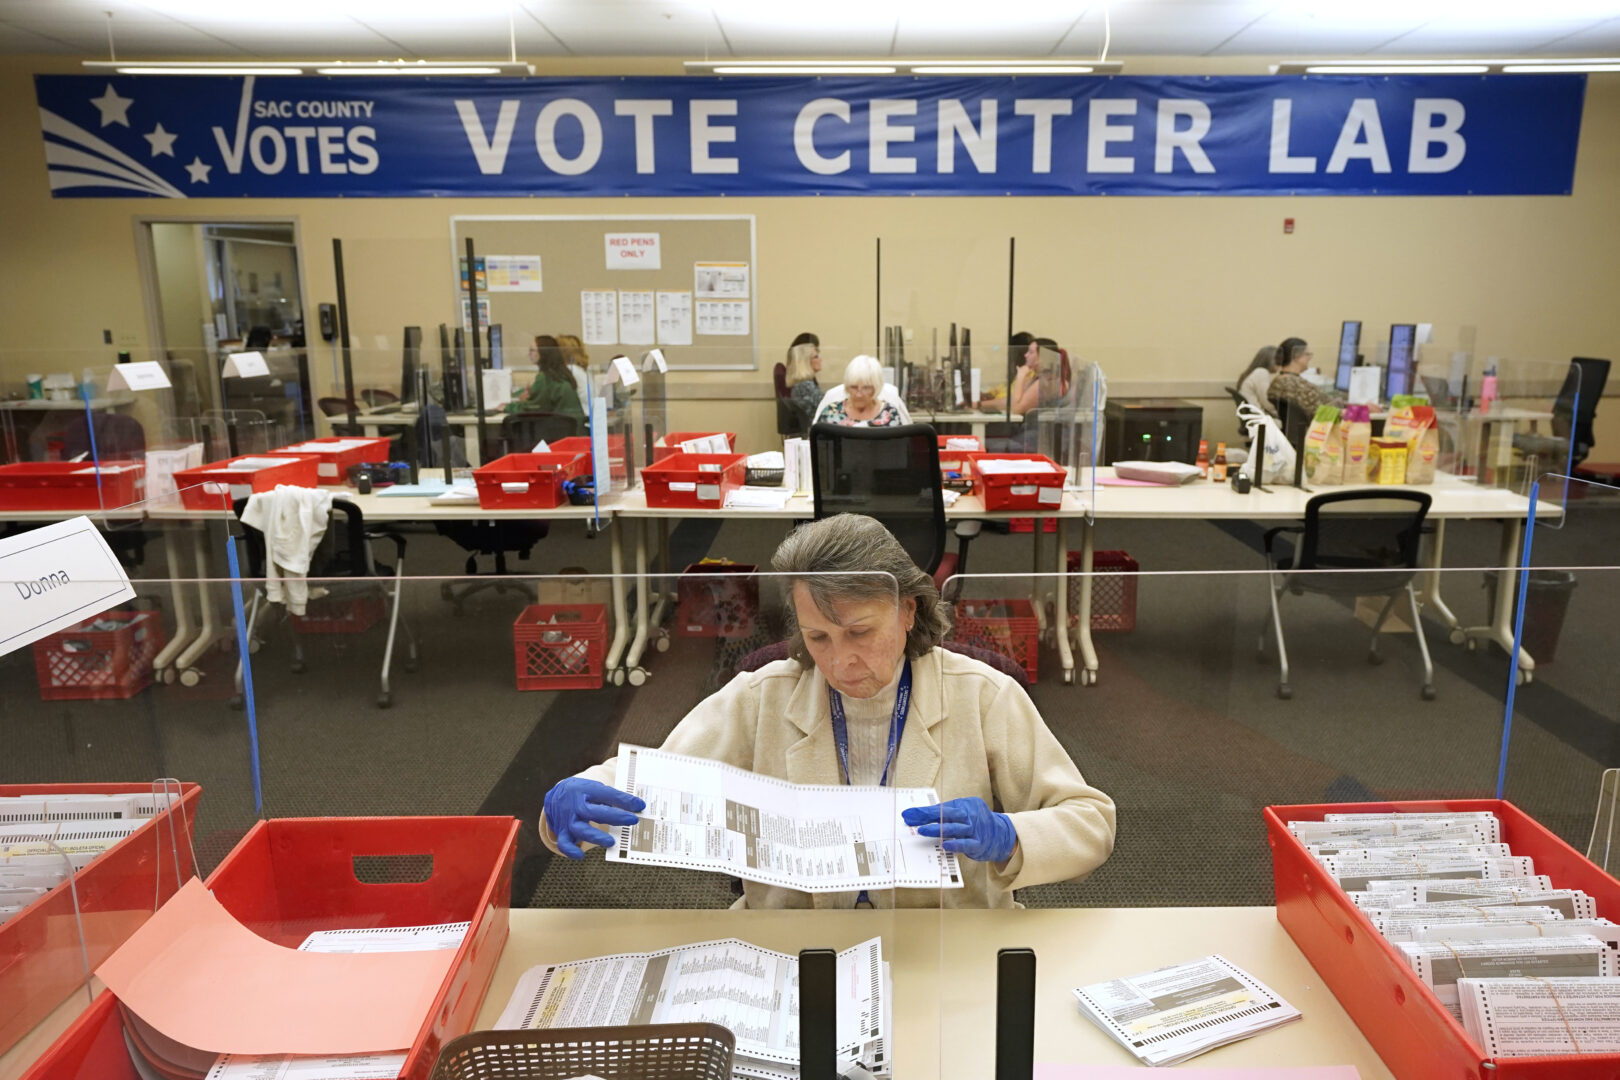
column 703, row 815
column 1134, row 1072
column 758, row 498
column 1174, row 1013
column 754, row 992
column 1520, row 1017
column 457, row 495
column 996, row 467
column 281, row 1067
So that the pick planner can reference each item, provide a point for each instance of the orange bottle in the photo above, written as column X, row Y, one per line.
column 1217, row 470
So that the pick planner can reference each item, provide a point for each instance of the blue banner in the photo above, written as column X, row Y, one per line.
column 306, row 137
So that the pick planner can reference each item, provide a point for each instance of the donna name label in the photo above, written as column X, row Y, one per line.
column 54, row 578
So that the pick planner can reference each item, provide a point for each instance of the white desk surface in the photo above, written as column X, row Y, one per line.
column 965, row 416
column 123, row 515
column 111, row 401
column 381, row 508
column 944, row 966
column 802, row 507
column 407, row 417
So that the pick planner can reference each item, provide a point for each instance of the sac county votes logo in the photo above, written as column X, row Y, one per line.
column 117, row 140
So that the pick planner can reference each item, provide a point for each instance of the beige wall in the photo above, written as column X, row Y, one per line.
column 1155, row 289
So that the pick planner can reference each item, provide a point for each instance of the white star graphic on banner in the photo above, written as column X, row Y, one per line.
column 114, row 109
column 198, row 171
column 162, row 141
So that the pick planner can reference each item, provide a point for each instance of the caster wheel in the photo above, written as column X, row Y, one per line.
column 384, row 700
column 1068, row 678
column 618, row 676
column 662, row 645
column 167, row 675
column 411, row 664
column 1285, row 692
column 1457, row 637
column 638, row 676
column 1375, row 659
column 1473, row 646
column 1529, row 677
column 297, row 667
column 1519, row 677
column 1428, row 693
column 190, row 677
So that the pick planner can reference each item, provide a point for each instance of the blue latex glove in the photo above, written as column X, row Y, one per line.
column 968, row 827
column 574, row 803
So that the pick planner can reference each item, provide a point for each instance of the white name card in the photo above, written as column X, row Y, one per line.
column 655, row 359
column 624, row 371
column 54, row 578
column 1364, row 385
column 245, row 365
column 145, row 375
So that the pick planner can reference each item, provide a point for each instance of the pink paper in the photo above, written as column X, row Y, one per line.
column 1120, row 481
column 1136, row 1072
column 201, row 978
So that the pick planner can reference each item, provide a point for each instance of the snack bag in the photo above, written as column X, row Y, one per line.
column 1357, row 444
column 1387, row 461
column 1412, row 420
column 1324, row 447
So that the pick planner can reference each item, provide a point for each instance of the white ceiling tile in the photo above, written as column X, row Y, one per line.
column 1516, row 40
column 1601, row 40
column 919, row 38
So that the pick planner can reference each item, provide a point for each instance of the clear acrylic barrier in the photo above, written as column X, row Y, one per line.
column 1504, row 421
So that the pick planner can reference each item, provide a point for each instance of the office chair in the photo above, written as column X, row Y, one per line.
column 890, row 474
column 520, row 432
column 1363, row 530
column 374, row 397
column 344, row 552
column 789, row 424
column 1571, row 439
column 258, row 337
column 1004, row 664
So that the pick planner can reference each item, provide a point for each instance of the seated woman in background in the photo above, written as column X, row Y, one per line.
column 1042, row 379
column 579, row 362
column 1294, row 356
column 869, row 697
column 803, row 361
column 552, row 390
column 863, row 403
column 1256, row 379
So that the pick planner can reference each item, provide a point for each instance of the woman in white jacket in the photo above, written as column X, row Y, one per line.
column 865, row 649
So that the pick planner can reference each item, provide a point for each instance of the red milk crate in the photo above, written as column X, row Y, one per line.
column 1395, row 1010
column 560, row 646
column 717, row 599
column 1113, row 590
column 290, row 877
column 1027, row 525
column 83, row 664
column 340, row 615
column 71, row 485
column 528, row 481
column 39, row 946
column 693, row 481
column 582, row 444
column 216, row 486
column 1008, row 627
column 958, row 461
column 335, row 453
column 671, row 443
column 1025, row 490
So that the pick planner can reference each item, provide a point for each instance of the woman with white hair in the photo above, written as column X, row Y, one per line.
column 865, row 400
column 869, row 697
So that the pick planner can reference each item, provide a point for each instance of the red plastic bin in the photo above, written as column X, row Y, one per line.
column 1019, row 490
column 528, row 481
column 39, row 946
column 216, row 486
column 1395, row 1010
column 71, row 485
column 560, row 646
column 335, row 453
column 671, row 443
column 1008, row 627
column 693, row 481
column 717, row 599
column 340, row 615
column 292, row 876
column 82, row 664
column 1113, row 590
column 958, row 461
column 582, row 444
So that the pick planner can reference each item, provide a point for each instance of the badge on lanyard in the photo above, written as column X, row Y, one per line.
column 897, row 727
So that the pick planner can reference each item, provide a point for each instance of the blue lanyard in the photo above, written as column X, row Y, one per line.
column 897, row 727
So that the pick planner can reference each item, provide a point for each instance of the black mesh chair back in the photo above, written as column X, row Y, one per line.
column 1296, row 423
column 1572, row 416
column 343, row 551
column 1365, row 530
column 887, row 473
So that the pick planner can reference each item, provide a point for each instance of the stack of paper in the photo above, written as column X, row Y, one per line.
column 1499, row 944
column 753, row 992
column 707, row 444
column 1002, row 466
column 1175, row 1013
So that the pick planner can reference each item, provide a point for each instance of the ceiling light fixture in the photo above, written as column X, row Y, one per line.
column 1109, row 67
column 1404, row 69
column 908, row 67
column 311, row 67
column 788, row 67
column 1436, row 66
column 1555, row 68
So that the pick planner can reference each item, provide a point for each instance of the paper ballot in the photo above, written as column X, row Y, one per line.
column 1174, row 1013
column 752, row 991
column 703, row 815
column 1519, row 1017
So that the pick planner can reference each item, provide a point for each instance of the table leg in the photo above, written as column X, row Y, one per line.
column 1435, row 552
column 661, row 605
column 1500, row 629
column 621, row 618
column 1065, row 653
column 372, row 431
column 1082, row 633
column 183, row 628
column 638, row 645
column 208, row 632
column 469, row 444
column 1036, row 600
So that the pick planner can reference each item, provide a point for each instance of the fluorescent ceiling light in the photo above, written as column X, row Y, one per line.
column 789, row 67
column 913, row 67
column 1401, row 69
column 310, row 67
column 317, row 11
column 424, row 69
column 147, row 69
column 1551, row 69
column 1067, row 68
column 1528, row 65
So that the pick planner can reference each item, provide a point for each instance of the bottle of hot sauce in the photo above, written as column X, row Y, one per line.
column 1217, row 469
column 1203, row 457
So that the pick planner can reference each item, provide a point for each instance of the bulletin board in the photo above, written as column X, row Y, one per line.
column 685, row 284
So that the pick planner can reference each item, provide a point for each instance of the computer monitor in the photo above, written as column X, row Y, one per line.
column 1401, row 371
column 1349, row 342
column 412, row 363
column 496, row 359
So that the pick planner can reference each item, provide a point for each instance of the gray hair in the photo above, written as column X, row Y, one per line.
column 864, row 371
column 1266, row 358
column 853, row 557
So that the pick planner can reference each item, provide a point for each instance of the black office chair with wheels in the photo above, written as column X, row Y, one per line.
column 891, row 474
column 1573, row 412
column 344, row 552
column 1375, row 532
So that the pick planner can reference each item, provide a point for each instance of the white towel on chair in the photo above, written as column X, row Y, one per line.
column 292, row 521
